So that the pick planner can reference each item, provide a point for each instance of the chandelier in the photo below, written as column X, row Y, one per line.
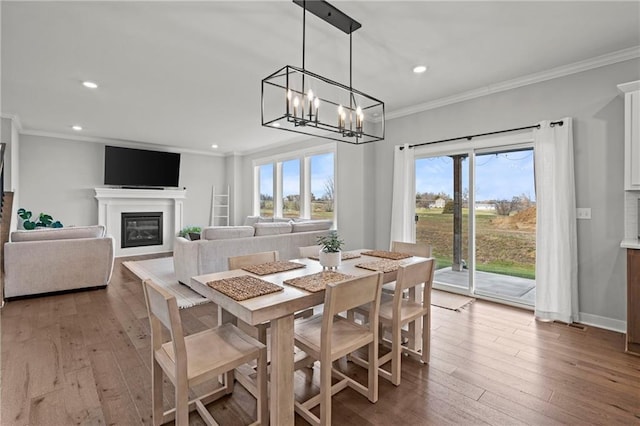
column 296, row 100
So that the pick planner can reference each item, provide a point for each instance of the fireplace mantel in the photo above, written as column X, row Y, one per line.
column 112, row 202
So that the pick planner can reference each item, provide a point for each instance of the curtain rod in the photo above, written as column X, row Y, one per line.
column 535, row 126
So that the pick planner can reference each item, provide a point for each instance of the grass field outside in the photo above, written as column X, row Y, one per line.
column 504, row 245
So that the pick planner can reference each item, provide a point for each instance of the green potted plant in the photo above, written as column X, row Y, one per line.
column 44, row 220
column 330, row 254
column 190, row 232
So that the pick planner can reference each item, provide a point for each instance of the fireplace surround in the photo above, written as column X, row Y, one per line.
column 113, row 202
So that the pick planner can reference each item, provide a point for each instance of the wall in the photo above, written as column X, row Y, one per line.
column 58, row 176
column 592, row 99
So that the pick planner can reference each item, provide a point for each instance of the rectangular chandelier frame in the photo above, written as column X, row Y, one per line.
column 338, row 112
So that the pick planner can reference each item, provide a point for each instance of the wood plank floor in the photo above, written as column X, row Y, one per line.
column 83, row 358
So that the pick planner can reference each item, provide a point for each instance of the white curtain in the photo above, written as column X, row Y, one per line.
column 404, row 195
column 556, row 241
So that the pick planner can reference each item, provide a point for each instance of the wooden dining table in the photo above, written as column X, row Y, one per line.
column 279, row 308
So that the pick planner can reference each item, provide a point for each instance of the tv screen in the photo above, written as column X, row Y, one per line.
column 139, row 167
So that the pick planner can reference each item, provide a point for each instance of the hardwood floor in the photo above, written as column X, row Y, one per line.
column 83, row 358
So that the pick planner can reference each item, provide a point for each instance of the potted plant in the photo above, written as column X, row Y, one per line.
column 44, row 220
column 330, row 254
column 190, row 232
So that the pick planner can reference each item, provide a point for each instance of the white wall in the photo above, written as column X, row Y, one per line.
column 58, row 177
column 592, row 99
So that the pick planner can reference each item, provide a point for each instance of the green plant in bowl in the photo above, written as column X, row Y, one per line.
column 190, row 232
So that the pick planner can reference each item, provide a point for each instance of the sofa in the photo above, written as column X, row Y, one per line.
column 51, row 260
column 217, row 243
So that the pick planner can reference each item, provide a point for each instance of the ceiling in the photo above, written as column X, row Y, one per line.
column 187, row 74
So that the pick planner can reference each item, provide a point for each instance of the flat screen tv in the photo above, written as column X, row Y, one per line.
column 140, row 167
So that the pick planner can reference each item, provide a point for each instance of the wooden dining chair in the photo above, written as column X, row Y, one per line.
column 239, row 262
column 309, row 251
column 191, row 360
column 327, row 337
column 421, row 249
column 397, row 311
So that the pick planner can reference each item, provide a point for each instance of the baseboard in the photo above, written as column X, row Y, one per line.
column 603, row 322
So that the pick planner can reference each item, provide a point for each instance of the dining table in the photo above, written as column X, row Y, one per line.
column 279, row 308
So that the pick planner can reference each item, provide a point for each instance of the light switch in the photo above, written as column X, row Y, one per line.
column 583, row 213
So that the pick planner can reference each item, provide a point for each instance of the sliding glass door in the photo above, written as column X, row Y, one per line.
column 442, row 218
column 477, row 209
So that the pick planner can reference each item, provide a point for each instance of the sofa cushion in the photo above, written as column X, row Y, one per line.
column 226, row 232
column 251, row 220
column 72, row 232
column 281, row 220
column 274, row 228
column 312, row 225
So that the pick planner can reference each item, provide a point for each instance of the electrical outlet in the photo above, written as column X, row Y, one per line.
column 583, row 213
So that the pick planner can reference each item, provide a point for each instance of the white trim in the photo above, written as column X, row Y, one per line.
column 603, row 322
column 15, row 119
column 562, row 71
column 297, row 154
column 120, row 142
column 632, row 86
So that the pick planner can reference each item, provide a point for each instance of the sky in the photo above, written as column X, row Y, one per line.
column 498, row 177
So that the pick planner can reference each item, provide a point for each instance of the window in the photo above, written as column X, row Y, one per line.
column 297, row 185
column 322, row 186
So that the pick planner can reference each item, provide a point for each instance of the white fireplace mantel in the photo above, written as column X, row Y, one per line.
column 112, row 202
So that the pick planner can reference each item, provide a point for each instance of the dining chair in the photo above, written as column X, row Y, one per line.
column 191, row 360
column 421, row 249
column 239, row 262
column 327, row 337
column 309, row 251
column 397, row 311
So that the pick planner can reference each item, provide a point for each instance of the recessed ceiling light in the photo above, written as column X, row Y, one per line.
column 214, row 146
column 76, row 128
column 90, row 84
column 419, row 69
column 276, row 124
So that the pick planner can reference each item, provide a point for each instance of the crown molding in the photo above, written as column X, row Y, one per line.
column 15, row 119
column 120, row 142
column 562, row 71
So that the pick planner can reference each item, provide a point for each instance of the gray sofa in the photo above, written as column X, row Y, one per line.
column 218, row 243
column 50, row 260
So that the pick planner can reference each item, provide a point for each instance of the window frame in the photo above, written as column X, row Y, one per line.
column 304, row 157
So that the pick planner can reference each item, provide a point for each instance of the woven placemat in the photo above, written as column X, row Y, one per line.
column 345, row 255
column 318, row 281
column 387, row 254
column 386, row 265
column 273, row 267
column 244, row 287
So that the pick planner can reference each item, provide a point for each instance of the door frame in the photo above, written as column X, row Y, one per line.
column 470, row 148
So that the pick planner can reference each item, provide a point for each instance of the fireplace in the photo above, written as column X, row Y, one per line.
column 141, row 229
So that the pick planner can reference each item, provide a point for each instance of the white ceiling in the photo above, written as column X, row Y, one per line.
column 187, row 74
